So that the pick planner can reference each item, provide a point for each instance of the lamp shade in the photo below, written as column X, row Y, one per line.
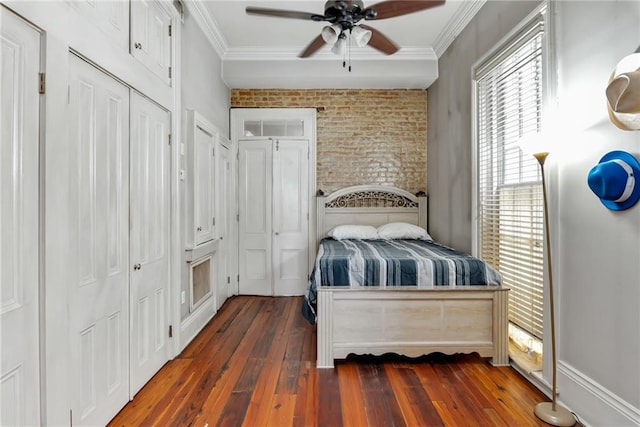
column 360, row 35
column 330, row 33
column 340, row 46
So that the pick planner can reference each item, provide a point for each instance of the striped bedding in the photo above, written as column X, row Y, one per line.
column 393, row 263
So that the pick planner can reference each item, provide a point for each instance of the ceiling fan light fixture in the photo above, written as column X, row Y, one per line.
column 340, row 46
column 330, row 33
column 361, row 35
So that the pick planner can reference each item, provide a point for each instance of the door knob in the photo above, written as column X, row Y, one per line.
column 277, row 233
column 199, row 229
column 138, row 45
column 137, row 267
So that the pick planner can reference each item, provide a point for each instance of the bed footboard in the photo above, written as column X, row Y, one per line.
column 412, row 322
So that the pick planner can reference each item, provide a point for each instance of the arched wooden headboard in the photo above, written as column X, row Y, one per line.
column 369, row 205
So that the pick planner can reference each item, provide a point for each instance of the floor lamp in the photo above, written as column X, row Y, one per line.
column 551, row 412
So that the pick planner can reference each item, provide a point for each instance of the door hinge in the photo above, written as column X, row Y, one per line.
column 170, row 331
column 237, row 155
column 238, row 217
column 169, row 139
column 169, row 30
column 214, row 221
column 213, row 151
column 238, row 278
column 169, row 72
column 42, row 77
column 228, row 279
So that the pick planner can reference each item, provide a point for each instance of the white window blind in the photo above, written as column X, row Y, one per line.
column 510, row 207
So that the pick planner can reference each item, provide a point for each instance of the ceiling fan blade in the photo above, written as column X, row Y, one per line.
column 392, row 8
column 313, row 47
column 381, row 42
column 279, row 13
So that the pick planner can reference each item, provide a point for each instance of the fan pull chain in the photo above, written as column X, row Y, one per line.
column 349, row 50
column 344, row 56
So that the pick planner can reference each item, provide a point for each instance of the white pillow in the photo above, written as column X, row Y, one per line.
column 362, row 232
column 402, row 230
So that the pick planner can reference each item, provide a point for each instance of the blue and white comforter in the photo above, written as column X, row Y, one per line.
column 393, row 263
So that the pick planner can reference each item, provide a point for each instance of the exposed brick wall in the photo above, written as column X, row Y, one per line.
column 363, row 136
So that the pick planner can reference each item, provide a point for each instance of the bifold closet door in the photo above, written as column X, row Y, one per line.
column 99, row 242
column 149, row 238
column 19, row 222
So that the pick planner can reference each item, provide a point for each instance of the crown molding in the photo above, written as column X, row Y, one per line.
column 288, row 54
column 462, row 17
column 209, row 26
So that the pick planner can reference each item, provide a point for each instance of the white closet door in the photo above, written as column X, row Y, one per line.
column 19, row 208
column 204, row 143
column 255, row 174
column 150, row 126
column 150, row 37
column 99, row 295
column 291, row 217
column 224, row 202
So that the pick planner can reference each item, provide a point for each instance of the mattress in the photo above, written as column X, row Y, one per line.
column 382, row 263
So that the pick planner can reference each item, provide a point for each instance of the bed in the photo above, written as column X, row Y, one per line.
column 383, row 309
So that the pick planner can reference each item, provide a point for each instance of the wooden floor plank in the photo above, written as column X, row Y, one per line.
column 352, row 402
column 254, row 365
column 417, row 408
column 329, row 398
column 382, row 409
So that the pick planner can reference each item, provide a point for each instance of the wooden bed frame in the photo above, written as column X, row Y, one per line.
column 404, row 320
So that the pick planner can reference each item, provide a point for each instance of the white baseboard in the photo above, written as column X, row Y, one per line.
column 594, row 404
column 193, row 324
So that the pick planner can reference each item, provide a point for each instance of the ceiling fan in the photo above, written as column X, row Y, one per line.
column 343, row 17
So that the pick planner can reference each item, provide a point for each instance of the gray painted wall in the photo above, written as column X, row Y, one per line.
column 596, row 252
column 449, row 121
column 204, row 91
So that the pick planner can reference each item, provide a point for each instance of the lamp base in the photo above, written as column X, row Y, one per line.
column 560, row 417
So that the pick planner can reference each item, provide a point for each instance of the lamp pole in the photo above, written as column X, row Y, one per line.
column 550, row 412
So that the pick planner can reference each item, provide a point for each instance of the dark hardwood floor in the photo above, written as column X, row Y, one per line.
column 254, row 365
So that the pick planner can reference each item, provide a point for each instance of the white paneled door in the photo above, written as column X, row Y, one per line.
column 149, row 239
column 19, row 218
column 255, row 175
column 224, row 190
column 290, row 217
column 119, row 239
column 151, row 36
column 274, row 216
column 204, row 143
column 99, row 242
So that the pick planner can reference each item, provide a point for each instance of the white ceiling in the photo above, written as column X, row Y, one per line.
column 261, row 52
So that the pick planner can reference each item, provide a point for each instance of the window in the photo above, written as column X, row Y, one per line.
column 508, row 106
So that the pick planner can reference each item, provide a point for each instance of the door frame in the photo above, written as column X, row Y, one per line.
column 309, row 115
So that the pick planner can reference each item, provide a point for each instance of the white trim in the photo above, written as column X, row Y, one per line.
column 289, row 54
column 209, row 26
column 454, row 27
column 195, row 322
column 175, row 206
column 600, row 406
